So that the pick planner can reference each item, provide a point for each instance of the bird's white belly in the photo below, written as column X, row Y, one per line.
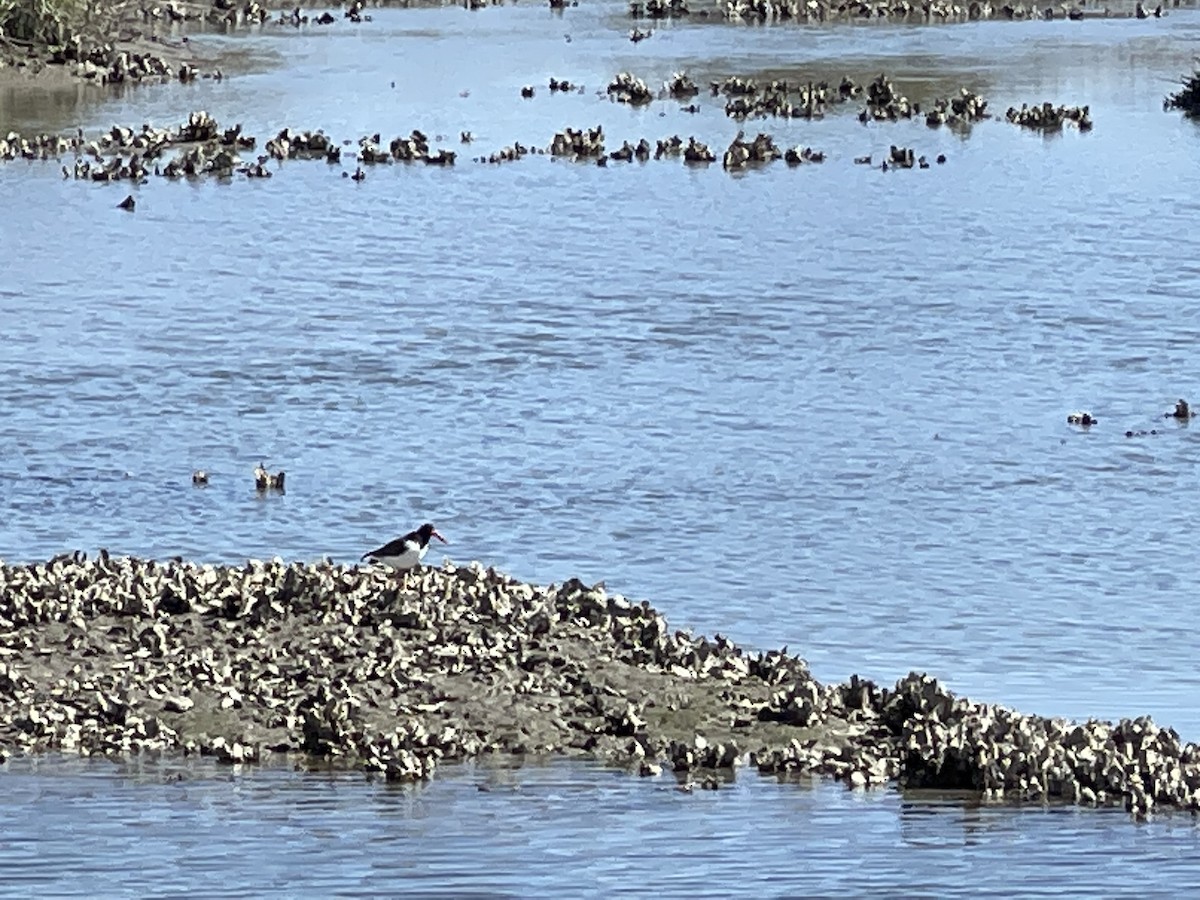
column 406, row 560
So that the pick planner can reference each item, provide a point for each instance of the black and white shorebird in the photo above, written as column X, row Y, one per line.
column 405, row 552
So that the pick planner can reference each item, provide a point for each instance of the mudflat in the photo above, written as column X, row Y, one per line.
column 392, row 673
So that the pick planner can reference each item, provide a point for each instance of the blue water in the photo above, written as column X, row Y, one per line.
column 821, row 407
column 497, row 833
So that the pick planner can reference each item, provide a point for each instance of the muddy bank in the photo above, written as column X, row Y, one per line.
column 395, row 673
column 929, row 12
column 107, row 42
column 112, row 42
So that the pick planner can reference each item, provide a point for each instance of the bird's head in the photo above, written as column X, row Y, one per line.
column 427, row 531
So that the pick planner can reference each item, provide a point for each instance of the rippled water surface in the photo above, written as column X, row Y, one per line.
column 821, row 407
column 498, row 833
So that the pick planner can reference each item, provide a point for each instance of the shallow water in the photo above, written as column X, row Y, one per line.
column 821, row 407
column 479, row 832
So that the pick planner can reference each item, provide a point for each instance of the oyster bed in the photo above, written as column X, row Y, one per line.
column 392, row 673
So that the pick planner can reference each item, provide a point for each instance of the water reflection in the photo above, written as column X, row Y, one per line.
column 940, row 819
column 52, row 101
column 561, row 829
column 25, row 107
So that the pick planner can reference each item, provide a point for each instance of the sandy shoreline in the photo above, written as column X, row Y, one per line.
column 393, row 674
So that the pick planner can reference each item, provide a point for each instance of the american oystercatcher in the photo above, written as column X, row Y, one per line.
column 406, row 552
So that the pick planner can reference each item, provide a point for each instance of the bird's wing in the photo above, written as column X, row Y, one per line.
column 394, row 548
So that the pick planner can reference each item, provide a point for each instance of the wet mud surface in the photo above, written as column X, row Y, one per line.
column 392, row 673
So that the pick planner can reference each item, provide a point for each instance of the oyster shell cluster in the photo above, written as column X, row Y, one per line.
column 395, row 673
column 203, row 148
column 1048, row 117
